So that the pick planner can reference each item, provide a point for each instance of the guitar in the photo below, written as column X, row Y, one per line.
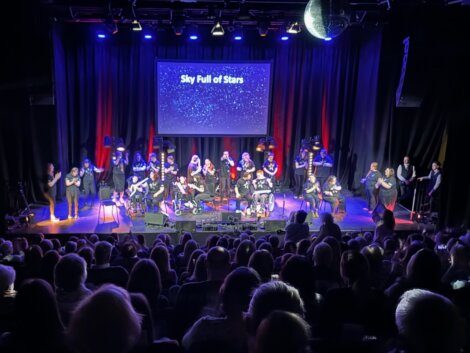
column 133, row 187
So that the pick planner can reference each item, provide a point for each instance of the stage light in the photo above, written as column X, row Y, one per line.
column 294, row 28
column 327, row 18
column 148, row 36
column 217, row 30
column 327, row 39
column 284, row 37
column 101, row 35
column 178, row 27
column 310, row 163
column 193, row 37
column 193, row 33
column 316, row 143
column 237, row 37
column 260, row 147
column 110, row 25
column 120, row 146
column 263, row 28
column 136, row 27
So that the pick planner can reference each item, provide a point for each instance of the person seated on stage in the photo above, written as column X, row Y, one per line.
column 72, row 183
column 210, row 177
column 136, row 190
column 387, row 190
column 246, row 165
column 87, row 173
column 198, row 190
column 270, row 167
column 154, row 164
column 312, row 193
column 139, row 166
column 155, row 192
column 262, row 188
column 332, row 194
column 183, row 192
column 243, row 191
column 194, row 168
column 323, row 164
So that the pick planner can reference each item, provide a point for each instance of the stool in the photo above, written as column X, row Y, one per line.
column 322, row 206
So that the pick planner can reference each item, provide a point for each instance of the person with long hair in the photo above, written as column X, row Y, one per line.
column 332, row 194
column 388, row 192
column 210, row 177
column 50, row 191
column 312, row 192
column 194, row 168
column 155, row 192
column 246, row 165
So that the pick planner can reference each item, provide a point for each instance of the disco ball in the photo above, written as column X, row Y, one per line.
column 326, row 19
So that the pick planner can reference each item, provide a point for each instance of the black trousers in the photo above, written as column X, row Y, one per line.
column 243, row 197
column 299, row 183
column 372, row 195
column 313, row 200
column 89, row 188
column 224, row 186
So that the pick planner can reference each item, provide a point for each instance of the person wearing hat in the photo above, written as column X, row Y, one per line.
column 87, row 173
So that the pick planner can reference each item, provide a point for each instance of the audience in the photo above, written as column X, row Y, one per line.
column 298, row 229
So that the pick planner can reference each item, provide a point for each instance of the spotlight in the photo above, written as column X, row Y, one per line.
column 178, row 27
column 101, row 35
column 237, row 34
column 260, row 147
column 136, row 27
column 327, row 39
column 237, row 37
column 193, row 34
column 284, row 37
column 263, row 28
column 294, row 28
column 148, row 36
column 193, row 37
column 217, row 30
column 120, row 146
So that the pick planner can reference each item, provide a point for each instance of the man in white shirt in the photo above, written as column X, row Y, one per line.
column 406, row 174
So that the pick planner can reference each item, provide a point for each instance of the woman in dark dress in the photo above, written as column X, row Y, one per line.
column 388, row 191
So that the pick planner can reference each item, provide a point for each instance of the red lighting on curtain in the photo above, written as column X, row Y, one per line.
column 151, row 135
column 103, row 123
column 325, row 126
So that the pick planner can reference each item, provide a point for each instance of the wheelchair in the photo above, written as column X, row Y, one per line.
column 181, row 204
column 263, row 208
column 135, row 205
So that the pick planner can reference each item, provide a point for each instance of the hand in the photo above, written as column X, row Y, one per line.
column 363, row 180
column 420, row 179
column 430, row 193
column 237, row 195
column 58, row 175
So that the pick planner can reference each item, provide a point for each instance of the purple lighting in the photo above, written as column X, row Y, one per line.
column 148, row 36
column 101, row 35
column 285, row 38
column 193, row 37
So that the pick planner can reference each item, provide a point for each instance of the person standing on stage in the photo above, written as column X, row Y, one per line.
column 387, row 187
column 332, row 194
column 72, row 183
column 433, row 189
column 406, row 174
column 170, row 168
column 246, row 165
column 139, row 166
column 262, row 188
column 155, row 192
column 50, row 191
column 301, row 166
column 311, row 193
column 154, row 164
column 243, row 191
column 119, row 166
column 194, row 168
column 87, row 173
column 210, row 178
column 270, row 167
column 224, row 178
column 323, row 164
column 369, row 182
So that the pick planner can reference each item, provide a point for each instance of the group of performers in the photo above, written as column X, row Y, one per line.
column 153, row 182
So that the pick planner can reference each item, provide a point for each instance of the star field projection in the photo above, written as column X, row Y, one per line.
column 213, row 98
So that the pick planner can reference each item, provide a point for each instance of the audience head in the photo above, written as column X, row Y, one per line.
column 103, row 251
column 424, row 269
column 303, row 246
column 323, row 255
column 299, row 273
column 86, row 253
column 104, row 322
column 244, row 251
column 262, row 262
column 161, row 257
column 282, row 332
column 7, row 278
column 459, row 256
column 70, row 273
column 300, row 216
column 354, row 267
column 189, row 247
column 429, row 323
column 199, row 272
column 46, row 245
column 217, row 263
column 70, row 247
column 129, row 250
column 326, row 218
column 145, row 278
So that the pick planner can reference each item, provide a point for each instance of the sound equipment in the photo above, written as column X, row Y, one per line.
column 156, row 219
column 231, row 217
column 210, row 227
column 188, row 226
column 250, row 226
column 274, row 225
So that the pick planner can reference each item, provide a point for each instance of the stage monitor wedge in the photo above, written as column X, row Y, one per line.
column 185, row 226
column 156, row 219
column 274, row 225
column 231, row 217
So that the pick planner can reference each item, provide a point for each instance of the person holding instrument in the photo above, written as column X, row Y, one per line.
column 50, row 191
column 224, row 178
column 72, row 183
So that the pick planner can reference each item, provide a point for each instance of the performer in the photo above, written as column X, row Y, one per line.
column 270, row 167
column 387, row 187
column 323, row 164
column 210, row 177
column 183, row 192
column 50, row 191
column 136, row 190
column 262, row 188
column 406, row 174
column 332, row 194
column 369, row 182
column 199, row 191
column 243, row 191
column 301, row 165
column 119, row 166
column 433, row 189
column 139, row 166
column 312, row 192
column 72, row 183
column 170, row 168
column 87, row 173
column 246, row 165
column 224, row 178
column 194, row 168
column 153, row 164
column 155, row 192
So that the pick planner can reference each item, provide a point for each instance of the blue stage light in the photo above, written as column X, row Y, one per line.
column 193, row 37
column 148, row 36
column 285, row 38
column 101, row 35
column 238, row 37
column 327, row 39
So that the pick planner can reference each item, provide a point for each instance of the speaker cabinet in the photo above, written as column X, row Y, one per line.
column 231, row 217
column 185, row 226
column 156, row 219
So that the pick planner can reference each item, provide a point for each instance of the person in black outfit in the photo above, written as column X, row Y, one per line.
column 224, row 178
column 433, row 189
column 194, row 168
column 369, row 182
column 72, row 183
column 262, row 188
column 154, row 164
column 301, row 165
column 119, row 167
column 87, row 173
column 155, row 192
column 323, row 164
column 243, row 191
column 270, row 167
column 388, row 190
column 312, row 193
column 50, row 191
column 210, row 177
column 246, row 165
column 199, row 190
column 139, row 166
column 297, row 230
column 332, row 195
column 406, row 174
column 170, row 169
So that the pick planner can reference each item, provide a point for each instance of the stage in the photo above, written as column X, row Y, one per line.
column 357, row 219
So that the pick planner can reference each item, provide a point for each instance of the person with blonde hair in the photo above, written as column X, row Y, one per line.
column 72, row 183
column 388, row 191
column 369, row 181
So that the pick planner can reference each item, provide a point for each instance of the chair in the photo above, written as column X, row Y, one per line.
column 323, row 204
column 104, row 194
